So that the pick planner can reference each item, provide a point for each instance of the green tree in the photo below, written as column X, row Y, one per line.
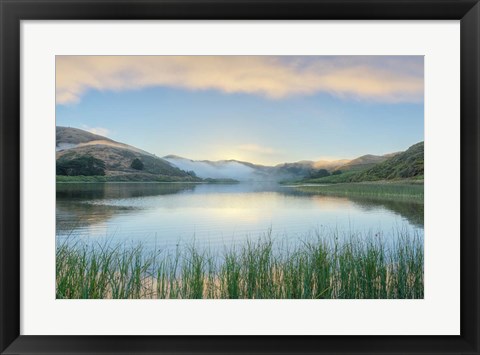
column 85, row 165
column 137, row 164
column 315, row 174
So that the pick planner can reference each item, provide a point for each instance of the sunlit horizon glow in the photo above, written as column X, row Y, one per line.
column 261, row 109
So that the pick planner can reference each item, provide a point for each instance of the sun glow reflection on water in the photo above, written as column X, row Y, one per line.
column 163, row 215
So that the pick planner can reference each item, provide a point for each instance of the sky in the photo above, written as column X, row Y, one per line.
column 262, row 109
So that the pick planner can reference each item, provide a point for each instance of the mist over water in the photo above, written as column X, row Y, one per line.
column 225, row 170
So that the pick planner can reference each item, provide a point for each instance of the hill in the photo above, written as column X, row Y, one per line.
column 404, row 165
column 330, row 164
column 75, row 136
column 83, row 153
column 408, row 164
column 363, row 162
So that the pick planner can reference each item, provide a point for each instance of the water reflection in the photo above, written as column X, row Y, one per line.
column 89, row 191
column 216, row 213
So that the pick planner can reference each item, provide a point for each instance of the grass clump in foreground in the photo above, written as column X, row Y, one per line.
column 360, row 268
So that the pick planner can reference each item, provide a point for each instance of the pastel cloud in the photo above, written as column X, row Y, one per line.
column 376, row 78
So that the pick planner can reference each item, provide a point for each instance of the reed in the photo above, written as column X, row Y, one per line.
column 325, row 266
column 384, row 191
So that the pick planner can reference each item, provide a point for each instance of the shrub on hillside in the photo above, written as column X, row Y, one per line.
column 84, row 165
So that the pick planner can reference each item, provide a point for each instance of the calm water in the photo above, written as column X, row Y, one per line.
column 162, row 215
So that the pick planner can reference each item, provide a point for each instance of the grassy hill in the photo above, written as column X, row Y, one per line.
column 408, row 164
column 71, row 135
column 75, row 147
column 363, row 162
column 404, row 165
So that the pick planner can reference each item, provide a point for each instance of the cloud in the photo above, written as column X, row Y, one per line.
column 97, row 130
column 255, row 148
column 377, row 78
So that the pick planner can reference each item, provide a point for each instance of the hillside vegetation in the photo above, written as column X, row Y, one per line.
column 405, row 165
column 408, row 164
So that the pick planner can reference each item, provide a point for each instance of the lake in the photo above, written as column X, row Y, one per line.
column 162, row 215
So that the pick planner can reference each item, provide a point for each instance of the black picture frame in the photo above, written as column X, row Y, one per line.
column 12, row 12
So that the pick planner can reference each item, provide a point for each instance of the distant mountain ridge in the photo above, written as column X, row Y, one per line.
column 73, row 144
column 245, row 171
column 363, row 162
column 222, row 169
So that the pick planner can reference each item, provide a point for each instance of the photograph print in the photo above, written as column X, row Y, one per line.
column 239, row 177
